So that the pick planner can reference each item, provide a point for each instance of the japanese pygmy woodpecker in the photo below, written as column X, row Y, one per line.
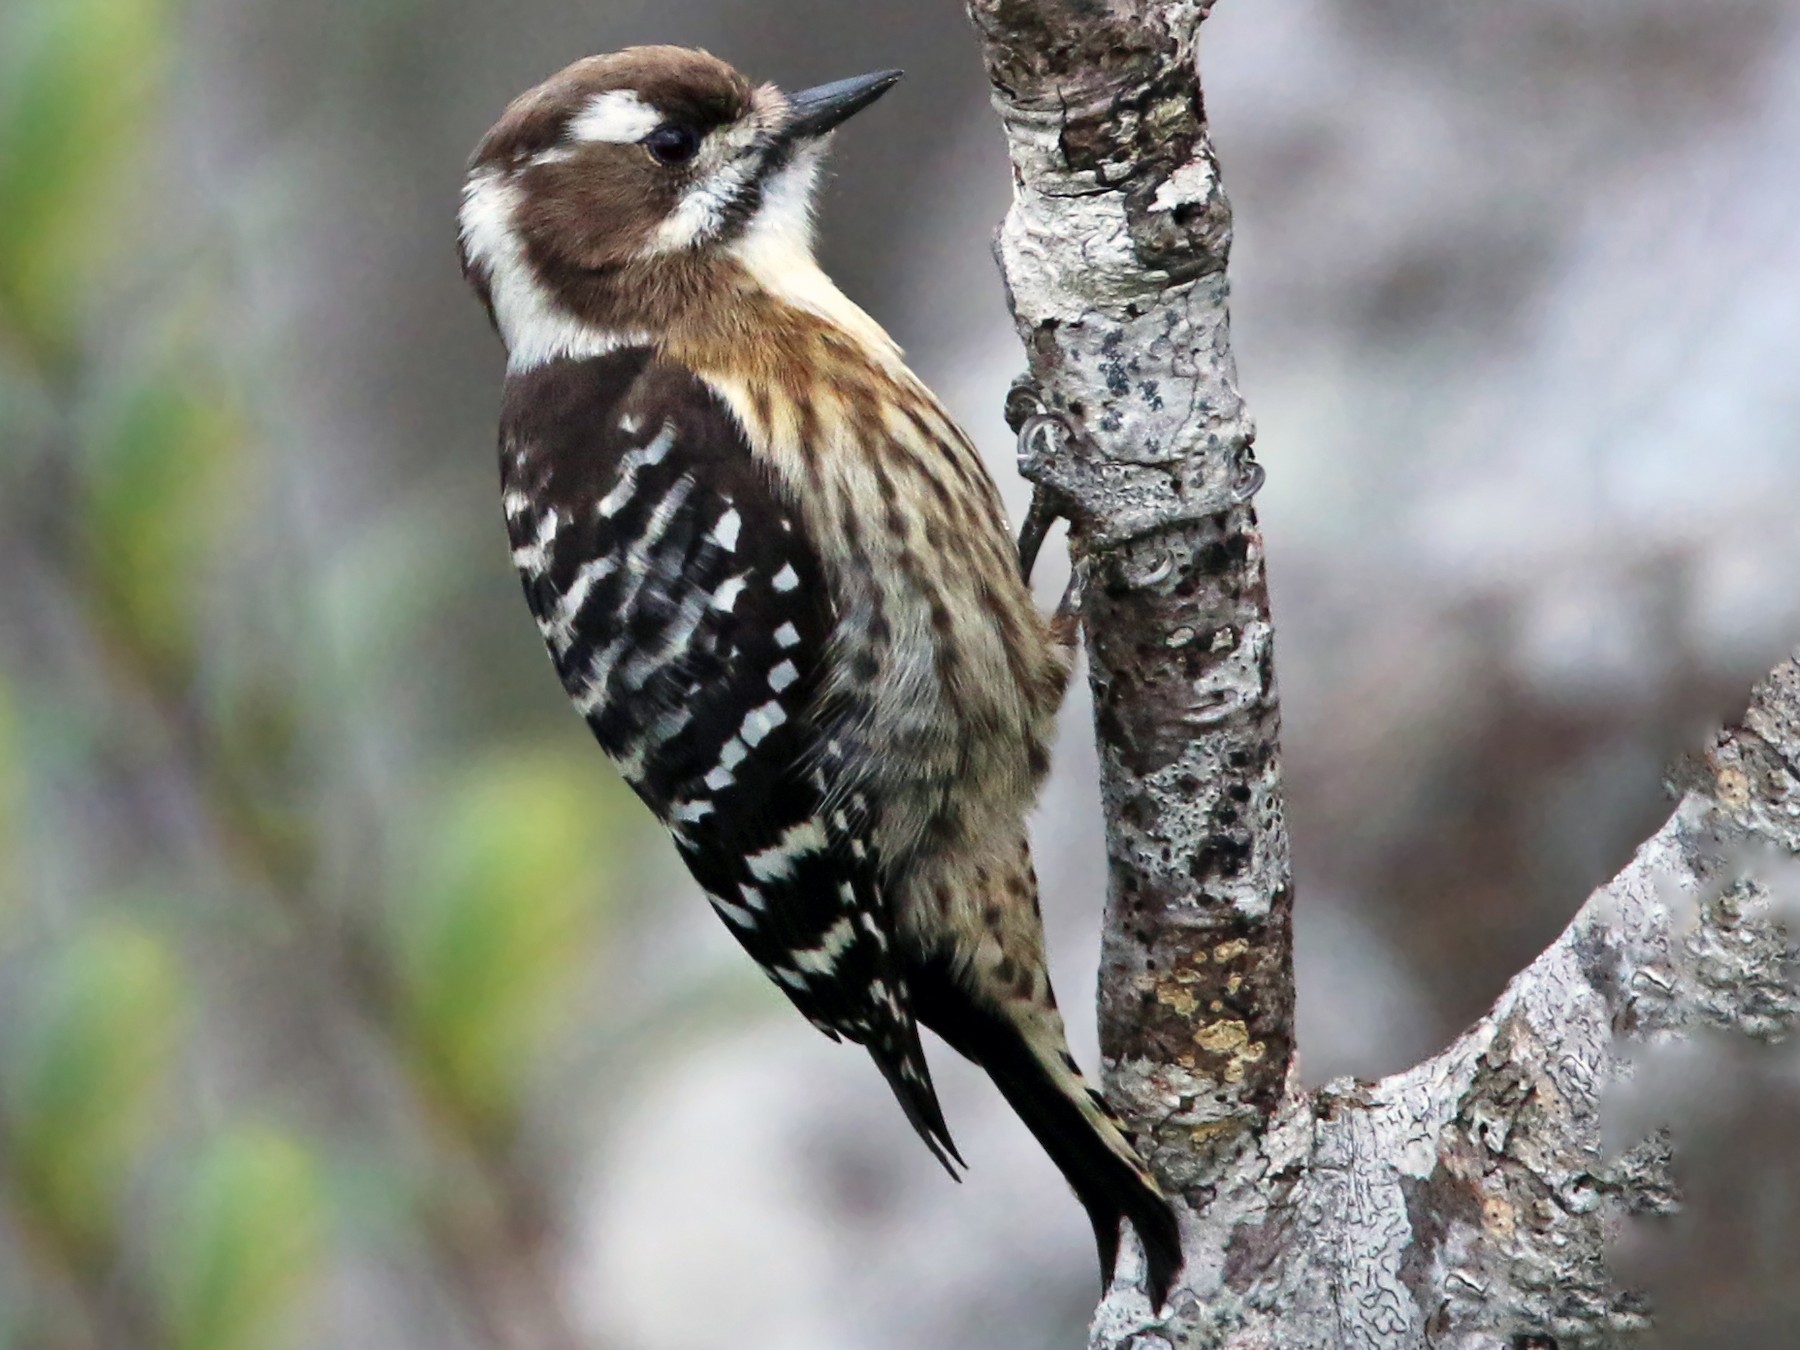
column 777, row 581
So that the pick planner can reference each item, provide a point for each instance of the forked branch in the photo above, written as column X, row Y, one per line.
column 1466, row 1202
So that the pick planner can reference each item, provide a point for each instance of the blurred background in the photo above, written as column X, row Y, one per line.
column 347, row 1000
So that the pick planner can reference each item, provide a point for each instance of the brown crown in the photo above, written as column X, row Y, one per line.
column 689, row 86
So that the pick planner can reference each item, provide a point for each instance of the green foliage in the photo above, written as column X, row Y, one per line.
column 81, row 77
column 124, row 457
column 503, row 920
column 100, row 1036
column 251, row 1237
column 159, row 476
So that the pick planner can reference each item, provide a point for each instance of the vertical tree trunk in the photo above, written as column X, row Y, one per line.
column 1464, row 1203
column 1115, row 254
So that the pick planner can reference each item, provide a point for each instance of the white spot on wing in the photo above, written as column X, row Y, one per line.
column 674, row 645
column 815, row 962
column 787, row 637
column 761, row 722
column 838, row 940
column 592, row 695
column 725, row 533
column 637, row 566
column 726, row 597
column 737, row 914
column 719, row 779
column 772, row 865
column 777, row 863
column 629, row 465
column 658, row 449
column 561, row 629
column 783, row 676
column 659, row 733
column 786, row 579
column 532, row 558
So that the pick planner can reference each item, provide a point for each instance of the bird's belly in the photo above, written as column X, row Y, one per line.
column 956, row 739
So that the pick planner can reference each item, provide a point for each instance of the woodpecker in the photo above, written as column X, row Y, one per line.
column 778, row 583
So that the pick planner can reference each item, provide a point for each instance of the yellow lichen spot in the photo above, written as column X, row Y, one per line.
column 1734, row 788
column 1235, row 983
column 1223, row 1038
column 1215, row 1006
column 1211, row 1130
column 1186, row 1061
column 1231, row 1039
column 1177, row 998
column 1228, row 951
column 1497, row 1215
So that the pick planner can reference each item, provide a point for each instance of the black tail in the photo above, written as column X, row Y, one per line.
column 1072, row 1121
column 901, row 1060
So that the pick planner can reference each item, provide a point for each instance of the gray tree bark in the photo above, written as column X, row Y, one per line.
column 1467, row 1202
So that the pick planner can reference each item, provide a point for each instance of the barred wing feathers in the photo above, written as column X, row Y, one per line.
column 687, row 616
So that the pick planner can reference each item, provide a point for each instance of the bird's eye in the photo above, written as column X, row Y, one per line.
column 672, row 143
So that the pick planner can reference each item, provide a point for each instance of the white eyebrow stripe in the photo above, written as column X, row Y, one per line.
column 618, row 116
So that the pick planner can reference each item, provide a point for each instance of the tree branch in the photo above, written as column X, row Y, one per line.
column 1114, row 253
column 1466, row 1202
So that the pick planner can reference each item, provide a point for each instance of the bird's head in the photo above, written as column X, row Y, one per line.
column 623, row 184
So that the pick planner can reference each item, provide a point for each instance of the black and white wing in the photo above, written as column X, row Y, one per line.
column 688, row 617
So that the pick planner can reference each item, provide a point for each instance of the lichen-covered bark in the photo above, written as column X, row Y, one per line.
column 1467, row 1202
column 1114, row 254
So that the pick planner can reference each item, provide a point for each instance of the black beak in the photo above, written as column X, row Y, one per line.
column 813, row 112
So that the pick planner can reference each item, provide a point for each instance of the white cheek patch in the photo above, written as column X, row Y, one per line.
column 700, row 213
column 724, row 169
column 617, row 116
column 534, row 327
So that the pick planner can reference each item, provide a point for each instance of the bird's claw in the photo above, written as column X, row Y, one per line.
column 1065, row 624
column 1033, row 423
column 1039, row 517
